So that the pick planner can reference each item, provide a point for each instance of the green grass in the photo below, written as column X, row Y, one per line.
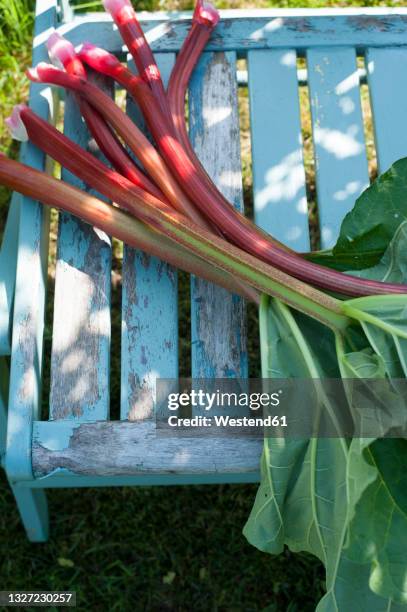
column 175, row 549
column 152, row 549
column 16, row 22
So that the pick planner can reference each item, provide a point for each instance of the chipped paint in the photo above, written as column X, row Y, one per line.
column 150, row 318
column 114, row 448
column 218, row 318
column 81, row 333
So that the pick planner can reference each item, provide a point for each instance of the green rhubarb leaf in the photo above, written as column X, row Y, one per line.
column 345, row 501
column 393, row 265
column 302, row 501
column 384, row 321
column 313, row 490
column 378, row 531
column 368, row 228
column 285, row 354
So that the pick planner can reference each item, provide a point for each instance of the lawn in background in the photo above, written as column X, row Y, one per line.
column 177, row 548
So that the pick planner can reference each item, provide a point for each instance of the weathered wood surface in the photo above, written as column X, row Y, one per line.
column 241, row 30
column 81, row 327
column 4, row 376
column 280, row 201
column 149, row 346
column 218, row 318
column 8, row 264
column 119, row 448
column 387, row 78
column 338, row 135
column 31, row 277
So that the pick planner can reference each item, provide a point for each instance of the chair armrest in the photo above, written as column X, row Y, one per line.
column 8, row 261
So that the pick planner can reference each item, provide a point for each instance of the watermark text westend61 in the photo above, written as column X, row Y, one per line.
column 296, row 408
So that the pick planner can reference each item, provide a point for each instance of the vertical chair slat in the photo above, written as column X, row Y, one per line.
column 217, row 317
column 387, row 79
column 81, row 327
column 8, row 263
column 340, row 152
column 149, row 315
column 31, row 275
column 280, row 202
column 4, row 379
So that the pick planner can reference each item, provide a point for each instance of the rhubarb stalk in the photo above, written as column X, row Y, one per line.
column 210, row 249
column 135, row 139
column 25, row 124
column 110, row 219
column 239, row 230
column 204, row 20
column 130, row 29
column 62, row 54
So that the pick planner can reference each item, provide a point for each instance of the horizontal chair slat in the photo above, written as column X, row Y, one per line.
column 243, row 30
column 120, row 448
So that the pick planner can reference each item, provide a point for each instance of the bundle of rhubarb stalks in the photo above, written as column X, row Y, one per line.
column 164, row 203
column 339, row 314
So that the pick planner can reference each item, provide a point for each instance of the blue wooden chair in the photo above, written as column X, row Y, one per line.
column 78, row 445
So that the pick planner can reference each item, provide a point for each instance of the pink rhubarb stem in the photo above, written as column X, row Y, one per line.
column 62, row 53
column 135, row 139
column 237, row 228
column 114, row 151
column 113, row 221
column 209, row 248
column 204, row 21
column 125, row 18
column 106, row 181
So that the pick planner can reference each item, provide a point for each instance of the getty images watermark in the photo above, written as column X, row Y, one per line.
column 293, row 408
column 224, row 401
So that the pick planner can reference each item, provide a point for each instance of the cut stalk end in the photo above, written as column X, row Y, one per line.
column 121, row 10
column 60, row 50
column 206, row 14
column 16, row 125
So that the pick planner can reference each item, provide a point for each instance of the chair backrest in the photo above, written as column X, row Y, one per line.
column 271, row 41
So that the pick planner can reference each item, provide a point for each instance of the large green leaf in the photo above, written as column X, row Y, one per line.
column 378, row 531
column 368, row 228
column 304, row 500
column 318, row 495
column 345, row 501
column 393, row 265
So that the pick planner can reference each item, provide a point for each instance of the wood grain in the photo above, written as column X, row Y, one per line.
column 30, row 285
column 387, row 78
column 218, row 318
column 242, row 30
column 81, row 327
column 119, row 448
column 149, row 337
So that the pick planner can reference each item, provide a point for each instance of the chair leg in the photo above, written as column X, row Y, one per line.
column 33, row 507
column 31, row 503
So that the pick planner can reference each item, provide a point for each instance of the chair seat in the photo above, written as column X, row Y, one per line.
column 80, row 437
